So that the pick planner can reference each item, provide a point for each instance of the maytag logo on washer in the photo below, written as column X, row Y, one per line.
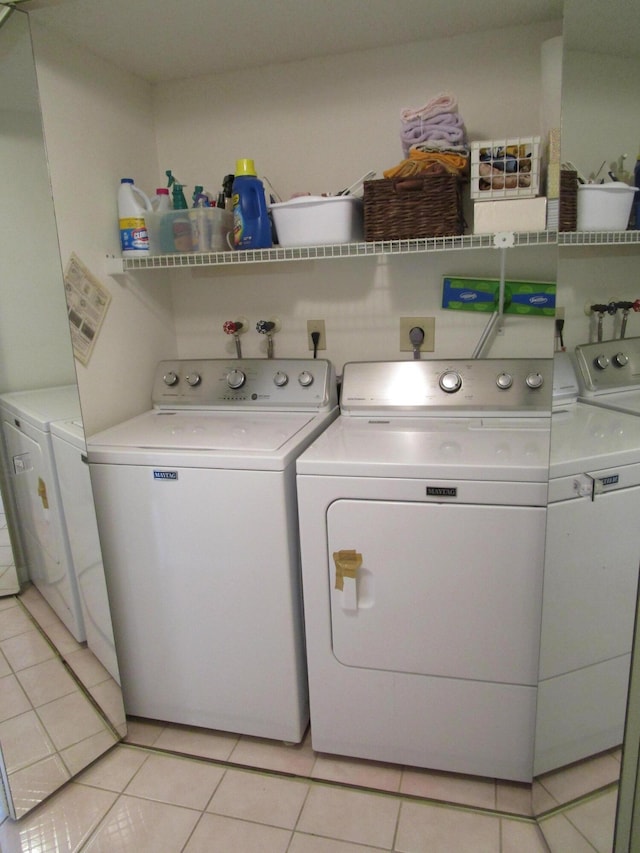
column 442, row 491
column 165, row 475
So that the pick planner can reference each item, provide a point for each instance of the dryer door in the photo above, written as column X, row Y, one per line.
column 449, row 590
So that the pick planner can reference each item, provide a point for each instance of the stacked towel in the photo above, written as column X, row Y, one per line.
column 434, row 133
column 438, row 121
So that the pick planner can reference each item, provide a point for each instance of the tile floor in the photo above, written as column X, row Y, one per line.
column 174, row 788
column 170, row 788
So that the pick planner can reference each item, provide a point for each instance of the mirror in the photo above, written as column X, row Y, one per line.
column 581, row 710
column 60, row 702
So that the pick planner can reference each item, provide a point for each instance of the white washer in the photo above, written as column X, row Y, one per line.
column 592, row 558
column 26, row 420
column 72, row 466
column 196, row 509
column 422, row 519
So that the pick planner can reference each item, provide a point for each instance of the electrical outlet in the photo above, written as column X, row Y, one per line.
column 427, row 324
column 316, row 326
column 559, row 312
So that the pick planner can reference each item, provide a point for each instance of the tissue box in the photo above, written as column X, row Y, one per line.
column 521, row 214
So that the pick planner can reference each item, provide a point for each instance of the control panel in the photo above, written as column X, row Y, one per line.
column 488, row 386
column 276, row 384
column 609, row 365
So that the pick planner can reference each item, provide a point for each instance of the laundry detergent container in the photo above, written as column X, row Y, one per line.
column 604, row 207
column 313, row 220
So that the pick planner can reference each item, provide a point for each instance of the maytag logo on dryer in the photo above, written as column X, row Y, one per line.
column 611, row 480
column 442, row 491
column 165, row 475
column 467, row 296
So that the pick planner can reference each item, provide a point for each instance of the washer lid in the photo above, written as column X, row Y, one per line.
column 204, row 430
column 43, row 405
column 587, row 437
column 493, row 449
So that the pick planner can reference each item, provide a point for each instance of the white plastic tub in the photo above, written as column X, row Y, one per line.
column 604, row 207
column 313, row 220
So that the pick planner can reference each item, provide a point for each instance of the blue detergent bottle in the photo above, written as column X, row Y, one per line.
column 251, row 224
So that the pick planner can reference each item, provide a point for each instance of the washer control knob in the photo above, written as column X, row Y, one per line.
column 194, row 379
column 601, row 362
column 280, row 379
column 170, row 378
column 305, row 379
column 504, row 381
column 534, row 380
column 451, row 381
column 236, row 379
column 620, row 359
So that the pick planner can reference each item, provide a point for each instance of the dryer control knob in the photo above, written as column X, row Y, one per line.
column 504, row 381
column 534, row 380
column 620, row 359
column 451, row 381
column 194, row 379
column 236, row 379
column 305, row 379
column 170, row 378
column 601, row 362
column 280, row 379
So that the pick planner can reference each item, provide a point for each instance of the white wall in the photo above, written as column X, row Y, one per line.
column 35, row 350
column 316, row 126
column 99, row 127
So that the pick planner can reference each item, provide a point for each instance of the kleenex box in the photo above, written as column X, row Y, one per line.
column 518, row 214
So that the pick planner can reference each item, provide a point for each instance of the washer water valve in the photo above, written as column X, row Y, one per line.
column 268, row 328
column 235, row 328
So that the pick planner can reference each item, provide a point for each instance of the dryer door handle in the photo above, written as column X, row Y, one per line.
column 42, row 493
column 347, row 564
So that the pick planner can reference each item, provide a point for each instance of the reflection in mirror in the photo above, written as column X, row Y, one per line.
column 60, row 701
column 593, row 543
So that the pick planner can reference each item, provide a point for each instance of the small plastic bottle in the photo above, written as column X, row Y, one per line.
column 181, row 225
column 132, row 206
column 161, row 202
column 251, row 223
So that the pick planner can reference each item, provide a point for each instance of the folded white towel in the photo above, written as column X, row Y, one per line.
column 445, row 102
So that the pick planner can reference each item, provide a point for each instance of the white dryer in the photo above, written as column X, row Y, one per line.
column 197, row 513
column 72, row 466
column 422, row 522
column 26, row 420
column 592, row 557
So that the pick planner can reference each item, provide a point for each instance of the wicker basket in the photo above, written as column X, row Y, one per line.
column 568, row 212
column 408, row 208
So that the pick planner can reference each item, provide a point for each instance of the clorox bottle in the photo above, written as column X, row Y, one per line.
column 251, row 225
column 132, row 206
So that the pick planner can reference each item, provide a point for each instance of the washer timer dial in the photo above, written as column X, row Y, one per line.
column 236, row 379
column 450, row 381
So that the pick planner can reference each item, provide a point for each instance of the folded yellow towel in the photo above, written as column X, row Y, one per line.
column 421, row 161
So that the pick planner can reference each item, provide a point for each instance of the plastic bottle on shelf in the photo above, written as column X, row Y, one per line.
column 251, row 223
column 132, row 206
column 181, row 225
column 200, row 222
column 161, row 201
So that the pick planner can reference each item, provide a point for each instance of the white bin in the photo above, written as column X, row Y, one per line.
column 604, row 207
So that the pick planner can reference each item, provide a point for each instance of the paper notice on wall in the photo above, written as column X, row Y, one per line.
column 87, row 304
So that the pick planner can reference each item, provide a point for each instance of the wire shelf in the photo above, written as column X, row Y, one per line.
column 279, row 254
